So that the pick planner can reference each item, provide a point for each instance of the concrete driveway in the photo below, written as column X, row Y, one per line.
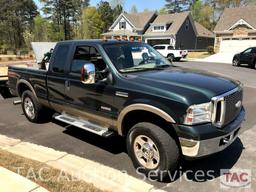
column 219, row 58
column 112, row 152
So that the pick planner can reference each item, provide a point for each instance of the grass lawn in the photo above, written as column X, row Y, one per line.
column 198, row 55
column 51, row 177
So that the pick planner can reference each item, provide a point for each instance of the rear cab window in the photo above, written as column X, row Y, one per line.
column 60, row 58
column 170, row 48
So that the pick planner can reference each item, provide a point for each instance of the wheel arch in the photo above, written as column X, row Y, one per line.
column 23, row 85
column 135, row 110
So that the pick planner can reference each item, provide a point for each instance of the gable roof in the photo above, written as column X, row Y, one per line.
column 202, row 31
column 175, row 20
column 137, row 20
column 231, row 16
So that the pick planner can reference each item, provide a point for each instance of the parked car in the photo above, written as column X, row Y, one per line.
column 128, row 88
column 246, row 57
column 171, row 53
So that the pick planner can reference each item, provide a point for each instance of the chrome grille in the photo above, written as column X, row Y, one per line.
column 225, row 107
column 232, row 111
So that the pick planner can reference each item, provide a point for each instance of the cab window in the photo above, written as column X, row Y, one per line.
column 88, row 54
column 159, row 47
column 60, row 59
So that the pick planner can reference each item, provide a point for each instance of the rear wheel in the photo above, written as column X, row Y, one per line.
column 31, row 107
column 170, row 57
column 152, row 150
column 236, row 62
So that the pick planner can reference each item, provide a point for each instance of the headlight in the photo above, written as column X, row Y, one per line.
column 198, row 114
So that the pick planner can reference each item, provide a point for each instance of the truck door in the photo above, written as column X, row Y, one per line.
column 56, row 75
column 93, row 102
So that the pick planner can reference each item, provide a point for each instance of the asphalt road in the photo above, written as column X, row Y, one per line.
column 112, row 152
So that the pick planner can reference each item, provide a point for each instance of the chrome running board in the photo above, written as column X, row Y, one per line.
column 85, row 125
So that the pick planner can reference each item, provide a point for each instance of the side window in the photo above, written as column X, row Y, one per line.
column 88, row 54
column 159, row 47
column 170, row 48
column 187, row 25
column 248, row 51
column 122, row 25
column 60, row 58
column 254, row 50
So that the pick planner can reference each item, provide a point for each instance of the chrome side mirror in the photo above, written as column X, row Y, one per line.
column 88, row 74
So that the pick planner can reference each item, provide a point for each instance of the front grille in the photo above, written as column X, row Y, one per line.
column 232, row 111
column 226, row 107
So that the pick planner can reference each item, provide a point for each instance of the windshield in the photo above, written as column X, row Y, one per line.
column 133, row 57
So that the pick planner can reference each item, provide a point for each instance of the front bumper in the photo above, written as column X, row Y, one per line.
column 203, row 140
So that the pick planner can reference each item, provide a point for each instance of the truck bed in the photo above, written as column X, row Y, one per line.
column 36, row 77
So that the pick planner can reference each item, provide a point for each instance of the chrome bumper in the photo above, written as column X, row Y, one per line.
column 199, row 148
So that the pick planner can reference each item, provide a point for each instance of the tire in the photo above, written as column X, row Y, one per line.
column 236, row 62
column 170, row 57
column 164, row 146
column 31, row 107
column 253, row 66
column 178, row 59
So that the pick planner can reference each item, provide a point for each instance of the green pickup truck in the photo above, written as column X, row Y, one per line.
column 128, row 88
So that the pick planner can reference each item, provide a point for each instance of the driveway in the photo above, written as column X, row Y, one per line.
column 112, row 152
column 219, row 58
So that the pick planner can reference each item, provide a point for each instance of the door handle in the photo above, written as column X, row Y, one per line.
column 67, row 85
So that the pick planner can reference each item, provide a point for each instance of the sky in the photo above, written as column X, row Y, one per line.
column 140, row 4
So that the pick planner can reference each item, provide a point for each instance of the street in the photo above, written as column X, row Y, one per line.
column 112, row 152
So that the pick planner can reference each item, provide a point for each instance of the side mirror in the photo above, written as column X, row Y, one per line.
column 88, row 74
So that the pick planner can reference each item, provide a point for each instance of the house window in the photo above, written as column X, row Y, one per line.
column 122, row 25
column 159, row 28
column 187, row 25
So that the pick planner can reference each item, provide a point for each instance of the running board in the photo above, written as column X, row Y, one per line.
column 85, row 125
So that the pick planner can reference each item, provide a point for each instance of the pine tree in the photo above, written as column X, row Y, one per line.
column 106, row 13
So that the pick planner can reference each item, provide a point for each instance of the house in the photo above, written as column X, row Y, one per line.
column 236, row 30
column 178, row 30
column 128, row 26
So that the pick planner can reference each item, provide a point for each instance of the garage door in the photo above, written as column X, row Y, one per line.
column 236, row 45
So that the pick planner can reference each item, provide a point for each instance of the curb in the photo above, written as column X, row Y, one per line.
column 101, row 176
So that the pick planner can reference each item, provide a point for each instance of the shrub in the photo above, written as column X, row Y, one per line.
column 210, row 49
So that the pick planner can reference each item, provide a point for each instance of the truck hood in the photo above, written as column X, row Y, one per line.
column 187, row 84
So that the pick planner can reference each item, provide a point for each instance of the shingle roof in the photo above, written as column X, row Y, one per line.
column 139, row 20
column 176, row 20
column 202, row 31
column 231, row 15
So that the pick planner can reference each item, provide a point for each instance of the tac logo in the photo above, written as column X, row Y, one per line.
column 235, row 178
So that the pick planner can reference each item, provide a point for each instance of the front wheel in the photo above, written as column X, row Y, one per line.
column 236, row 63
column 152, row 150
